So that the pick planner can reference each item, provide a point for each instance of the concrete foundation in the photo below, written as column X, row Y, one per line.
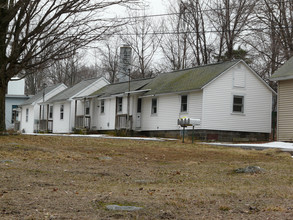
column 202, row 135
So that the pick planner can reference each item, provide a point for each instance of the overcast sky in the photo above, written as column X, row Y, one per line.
column 157, row 6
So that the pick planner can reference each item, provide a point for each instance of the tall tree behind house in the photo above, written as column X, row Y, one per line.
column 41, row 31
column 141, row 35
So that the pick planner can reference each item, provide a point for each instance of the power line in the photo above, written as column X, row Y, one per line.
column 173, row 32
column 190, row 12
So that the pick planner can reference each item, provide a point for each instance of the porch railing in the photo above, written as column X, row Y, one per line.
column 122, row 122
column 46, row 125
column 82, row 122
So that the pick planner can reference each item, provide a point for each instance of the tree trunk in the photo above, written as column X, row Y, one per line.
column 3, row 89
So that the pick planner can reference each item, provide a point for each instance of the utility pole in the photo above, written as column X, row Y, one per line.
column 43, row 113
column 128, row 102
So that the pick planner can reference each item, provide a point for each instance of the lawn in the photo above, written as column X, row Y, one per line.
column 76, row 178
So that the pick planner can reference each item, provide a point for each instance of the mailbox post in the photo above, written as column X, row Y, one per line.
column 184, row 122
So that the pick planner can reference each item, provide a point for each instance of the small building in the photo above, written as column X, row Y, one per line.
column 33, row 114
column 284, row 77
column 231, row 100
column 69, row 111
column 15, row 96
column 118, row 106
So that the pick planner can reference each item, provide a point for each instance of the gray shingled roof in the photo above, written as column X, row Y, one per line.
column 72, row 91
column 284, row 72
column 118, row 88
column 188, row 79
column 39, row 95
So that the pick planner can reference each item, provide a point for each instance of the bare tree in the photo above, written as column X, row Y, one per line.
column 141, row 35
column 109, row 58
column 175, row 42
column 230, row 19
column 280, row 18
column 32, row 33
column 69, row 71
column 34, row 82
column 196, row 19
column 274, row 38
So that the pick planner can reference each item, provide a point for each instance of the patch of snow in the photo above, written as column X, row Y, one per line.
column 275, row 144
column 105, row 136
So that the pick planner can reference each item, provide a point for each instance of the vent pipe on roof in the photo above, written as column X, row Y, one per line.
column 124, row 63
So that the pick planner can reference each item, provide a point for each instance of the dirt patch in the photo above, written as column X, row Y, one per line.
column 64, row 178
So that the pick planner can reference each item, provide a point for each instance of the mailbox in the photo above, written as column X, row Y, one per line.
column 184, row 122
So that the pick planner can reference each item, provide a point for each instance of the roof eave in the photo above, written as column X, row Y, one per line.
column 56, row 101
column 281, row 78
column 84, row 89
column 168, row 93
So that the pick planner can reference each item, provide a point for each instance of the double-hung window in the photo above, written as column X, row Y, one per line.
column 238, row 104
column 14, row 113
column 87, row 107
column 154, row 106
column 61, row 111
column 102, row 106
column 139, row 105
column 119, row 104
column 51, row 111
column 183, row 103
column 26, row 114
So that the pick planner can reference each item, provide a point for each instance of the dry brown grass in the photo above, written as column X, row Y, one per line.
column 64, row 178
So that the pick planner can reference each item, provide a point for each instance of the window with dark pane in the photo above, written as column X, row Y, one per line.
column 87, row 107
column 102, row 106
column 139, row 105
column 184, row 103
column 119, row 104
column 14, row 114
column 154, row 106
column 26, row 114
column 61, row 111
column 51, row 111
column 238, row 104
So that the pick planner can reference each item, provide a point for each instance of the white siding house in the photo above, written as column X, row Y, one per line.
column 229, row 98
column 218, row 96
column 69, row 110
column 31, row 109
column 110, row 105
column 169, row 110
column 13, row 99
column 284, row 77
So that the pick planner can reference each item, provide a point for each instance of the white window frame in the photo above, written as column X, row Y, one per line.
column 139, row 105
column 181, row 104
column 14, row 113
column 102, row 110
column 154, row 109
column 51, row 111
column 26, row 114
column 243, row 104
column 61, row 111
column 119, row 110
column 87, row 108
